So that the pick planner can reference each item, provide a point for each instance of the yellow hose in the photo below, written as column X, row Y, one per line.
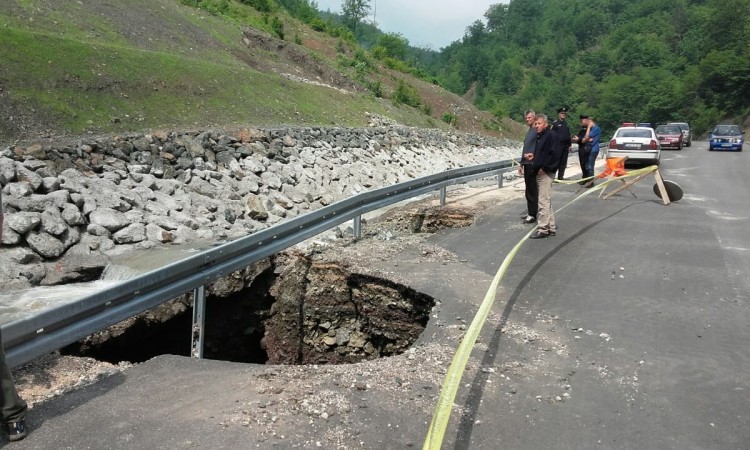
column 439, row 423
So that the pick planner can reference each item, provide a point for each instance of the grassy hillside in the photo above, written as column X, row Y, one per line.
column 87, row 66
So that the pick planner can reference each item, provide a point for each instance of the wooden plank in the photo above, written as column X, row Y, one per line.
column 626, row 185
column 662, row 189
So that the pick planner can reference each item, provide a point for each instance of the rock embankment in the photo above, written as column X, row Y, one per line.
column 96, row 197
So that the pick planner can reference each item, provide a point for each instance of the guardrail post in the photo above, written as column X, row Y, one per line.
column 358, row 227
column 199, row 321
column 442, row 196
column 500, row 179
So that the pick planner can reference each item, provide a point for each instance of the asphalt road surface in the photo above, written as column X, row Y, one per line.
column 651, row 304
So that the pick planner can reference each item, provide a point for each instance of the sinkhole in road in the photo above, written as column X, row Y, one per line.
column 289, row 310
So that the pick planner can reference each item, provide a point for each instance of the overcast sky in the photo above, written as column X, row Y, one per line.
column 425, row 23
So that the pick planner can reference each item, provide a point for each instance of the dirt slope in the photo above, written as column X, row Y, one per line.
column 86, row 67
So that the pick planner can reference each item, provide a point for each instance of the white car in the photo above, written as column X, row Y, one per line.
column 639, row 144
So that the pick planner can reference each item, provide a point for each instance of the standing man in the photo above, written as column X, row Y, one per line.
column 12, row 408
column 560, row 127
column 545, row 163
column 525, row 169
column 593, row 134
column 583, row 149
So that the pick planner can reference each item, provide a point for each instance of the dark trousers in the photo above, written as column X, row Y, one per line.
column 563, row 164
column 12, row 407
column 583, row 159
column 532, row 190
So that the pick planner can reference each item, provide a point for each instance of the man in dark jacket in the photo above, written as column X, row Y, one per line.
column 12, row 408
column 545, row 164
column 560, row 126
column 525, row 169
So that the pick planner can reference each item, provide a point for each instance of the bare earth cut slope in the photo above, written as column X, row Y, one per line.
column 90, row 67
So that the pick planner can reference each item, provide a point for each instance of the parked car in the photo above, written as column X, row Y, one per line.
column 687, row 135
column 639, row 144
column 670, row 136
column 726, row 137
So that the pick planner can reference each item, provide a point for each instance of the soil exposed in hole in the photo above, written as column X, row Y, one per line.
column 325, row 314
column 295, row 311
column 426, row 218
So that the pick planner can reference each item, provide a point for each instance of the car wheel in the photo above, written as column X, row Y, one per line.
column 679, row 147
column 710, row 149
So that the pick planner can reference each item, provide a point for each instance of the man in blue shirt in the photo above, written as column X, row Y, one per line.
column 529, row 178
column 591, row 139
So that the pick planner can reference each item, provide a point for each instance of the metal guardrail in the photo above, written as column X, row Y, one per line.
column 50, row 330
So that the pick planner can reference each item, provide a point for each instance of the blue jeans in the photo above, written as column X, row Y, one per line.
column 590, row 163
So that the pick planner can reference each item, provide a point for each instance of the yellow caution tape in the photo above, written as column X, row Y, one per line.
column 436, row 432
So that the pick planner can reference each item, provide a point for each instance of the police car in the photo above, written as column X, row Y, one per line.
column 638, row 143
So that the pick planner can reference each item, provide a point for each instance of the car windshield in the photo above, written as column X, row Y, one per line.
column 634, row 133
column 668, row 129
column 727, row 130
column 682, row 126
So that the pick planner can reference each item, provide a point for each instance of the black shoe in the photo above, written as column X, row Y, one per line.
column 538, row 235
column 553, row 233
column 529, row 219
column 590, row 184
column 16, row 430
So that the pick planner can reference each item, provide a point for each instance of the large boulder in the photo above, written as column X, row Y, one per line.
column 131, row 234
column 108, row 218
column 45, row 244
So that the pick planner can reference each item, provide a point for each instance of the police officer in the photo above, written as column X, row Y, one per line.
column 583, row 149
column 560, row 127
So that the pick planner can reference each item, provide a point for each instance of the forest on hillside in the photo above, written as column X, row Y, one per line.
column 619, row 60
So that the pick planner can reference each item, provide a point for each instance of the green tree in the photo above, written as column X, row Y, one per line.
column 261, row 5
column 394, row 45
column 621, row 60
column 497, row 20
column 727, row 24
column 305, row 10
column 523, row 18
column 406, row 94
column 507, row 77
column 353, row 11
column 726, row 80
